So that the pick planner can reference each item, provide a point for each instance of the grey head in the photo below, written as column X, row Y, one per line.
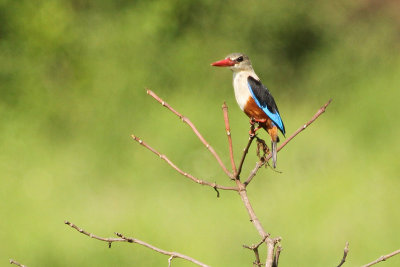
column 235, row 61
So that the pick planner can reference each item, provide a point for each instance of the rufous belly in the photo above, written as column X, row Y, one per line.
column 252, row 110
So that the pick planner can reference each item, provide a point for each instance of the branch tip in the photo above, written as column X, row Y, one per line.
column 16, row 263
column 122, row 238
column 345, row 252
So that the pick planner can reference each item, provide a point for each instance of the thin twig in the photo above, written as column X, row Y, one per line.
column 169, row 253
column 245, row 151
column 382, row 258
column 228, row 133
column 194, row 179
column 170, row 260
column 302, row 128
column 191, row 125
column 345, row 252
column 254, row 248
column 276, row 256
column 17, row 263
column 122, row 238
column 253, row 173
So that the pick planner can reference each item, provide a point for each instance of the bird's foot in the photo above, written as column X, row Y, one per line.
column 260, row 120
column 253, row 131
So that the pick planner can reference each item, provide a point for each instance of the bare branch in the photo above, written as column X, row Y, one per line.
column 245, row 151
column 191, row 125
column 302, row 128
column 253, row 173
column 345, row 252
column 194, row 179
column 254, row 248
column 170, row 260
column 122, row 238
column 228, row 133
column 276, row 256
column 109, row 240
column 382, row 258
column 257, row 224
column 17, row 263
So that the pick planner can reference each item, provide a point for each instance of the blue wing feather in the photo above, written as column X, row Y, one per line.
column 274, row 116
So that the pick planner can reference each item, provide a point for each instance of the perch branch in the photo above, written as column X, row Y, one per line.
column 253, row 218
column 122, row 238
column 302, row 128
column 245, row 151
column 228, row 133
column 17, row 263
column 382, row 258
column 345, row 252
column 191, row 125
column 194, row 179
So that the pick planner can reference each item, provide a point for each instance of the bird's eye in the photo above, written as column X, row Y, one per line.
column 239, row 59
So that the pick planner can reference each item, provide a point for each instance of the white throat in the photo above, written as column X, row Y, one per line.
column 242, row 91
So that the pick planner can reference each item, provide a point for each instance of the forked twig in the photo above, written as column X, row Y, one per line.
column 122, row 238
column 345, row 252
column 272, row 257
column 191, row 125
column 302, row 128
column 382, row 258
column 194, row 179
column 254, row 248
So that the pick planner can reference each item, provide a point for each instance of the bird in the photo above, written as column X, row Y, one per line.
column 254, row 98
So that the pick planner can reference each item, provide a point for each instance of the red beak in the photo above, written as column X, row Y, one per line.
column 227, row 62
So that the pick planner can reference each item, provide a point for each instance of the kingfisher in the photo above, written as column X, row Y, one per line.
column 254, row 98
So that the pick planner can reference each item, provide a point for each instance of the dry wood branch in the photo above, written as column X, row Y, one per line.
column 345, row 252
column 187, row 175
column 191, row 125
column 257, row 224
column 276, row 256
column 254, row 248
column 122, row 238
column 17, row 263
column 302, row 128
column 382, row 258
column 245, row 151
column 243, row 195
column 228, row 133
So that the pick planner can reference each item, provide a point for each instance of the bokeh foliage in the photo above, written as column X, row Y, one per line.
column 72, row 88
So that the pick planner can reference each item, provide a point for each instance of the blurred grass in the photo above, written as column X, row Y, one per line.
column 72, row 89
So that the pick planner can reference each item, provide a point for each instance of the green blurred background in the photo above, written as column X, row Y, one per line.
column 73, row 75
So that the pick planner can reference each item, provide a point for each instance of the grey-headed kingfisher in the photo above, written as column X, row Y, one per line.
column 254, row 98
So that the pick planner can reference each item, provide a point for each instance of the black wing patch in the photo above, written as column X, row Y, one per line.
column 263, row 95
column 265, row 101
